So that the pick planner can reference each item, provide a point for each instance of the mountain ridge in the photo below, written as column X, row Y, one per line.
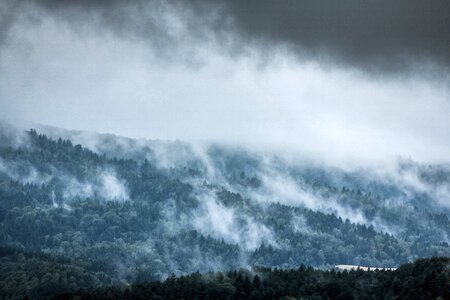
column 214, row 209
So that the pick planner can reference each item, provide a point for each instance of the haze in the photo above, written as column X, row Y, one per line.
column 366, row 83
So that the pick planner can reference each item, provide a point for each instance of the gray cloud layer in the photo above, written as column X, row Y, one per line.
column 125, row 67
column 370, row 34
column 381, row 35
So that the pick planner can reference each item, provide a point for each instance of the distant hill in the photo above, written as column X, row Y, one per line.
column 139, row 210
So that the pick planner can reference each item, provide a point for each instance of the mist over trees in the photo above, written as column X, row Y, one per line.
column 128, row 211
column 224, row 149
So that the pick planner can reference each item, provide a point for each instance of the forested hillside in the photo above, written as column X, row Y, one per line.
column 124, row 211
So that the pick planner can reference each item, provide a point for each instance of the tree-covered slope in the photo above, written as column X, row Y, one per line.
column 143, row 210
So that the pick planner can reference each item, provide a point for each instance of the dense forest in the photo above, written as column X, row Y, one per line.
column 88, row 211
column 424, row 279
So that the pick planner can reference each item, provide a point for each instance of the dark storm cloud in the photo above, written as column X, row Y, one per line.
column 8, row 14
column 373, row 35
column 95, row 65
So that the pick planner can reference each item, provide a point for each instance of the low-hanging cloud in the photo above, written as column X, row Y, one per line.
column 112, row 187
column 279, row 188
column 105, row 184
column 132, row 68
column 226, row 223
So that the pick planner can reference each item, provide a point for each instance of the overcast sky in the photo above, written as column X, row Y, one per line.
column 343, row 81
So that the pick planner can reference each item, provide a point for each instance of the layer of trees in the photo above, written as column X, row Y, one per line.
column 49, row 204
column 39, row 275
column 424, row 279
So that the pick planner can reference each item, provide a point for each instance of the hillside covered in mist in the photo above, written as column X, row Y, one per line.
column 102, row 210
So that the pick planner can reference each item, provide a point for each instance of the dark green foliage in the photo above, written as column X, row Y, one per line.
column 424, row 279
column 41, row 275
column 50, row 202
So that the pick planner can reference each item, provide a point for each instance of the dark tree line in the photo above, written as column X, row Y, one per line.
column 424, row 279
